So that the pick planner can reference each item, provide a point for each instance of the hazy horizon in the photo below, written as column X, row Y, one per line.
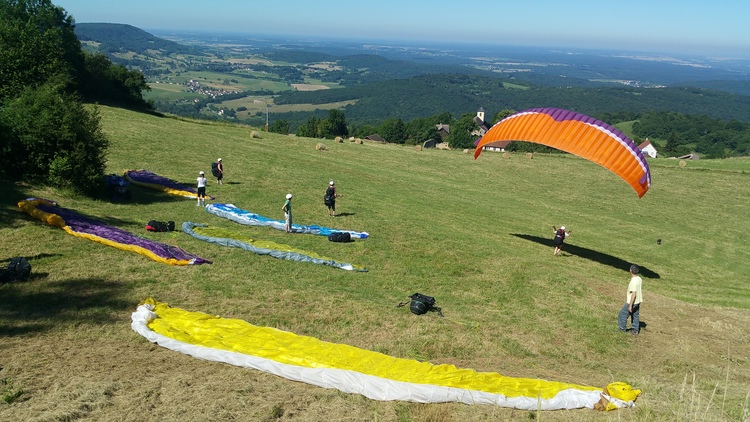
column 718, row 29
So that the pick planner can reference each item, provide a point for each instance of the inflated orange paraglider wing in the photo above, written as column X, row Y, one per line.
column 577, row 134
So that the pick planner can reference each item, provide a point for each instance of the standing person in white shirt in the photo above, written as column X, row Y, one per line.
column 201, row 190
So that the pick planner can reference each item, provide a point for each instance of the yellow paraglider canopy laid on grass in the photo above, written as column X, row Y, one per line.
column 354, row 370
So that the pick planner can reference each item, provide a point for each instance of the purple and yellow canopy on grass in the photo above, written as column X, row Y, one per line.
column 152, row 180
column 577, row 134
column 89, row 228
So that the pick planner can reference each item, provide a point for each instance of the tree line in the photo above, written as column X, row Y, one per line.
column 680, row 133
column 47, row 134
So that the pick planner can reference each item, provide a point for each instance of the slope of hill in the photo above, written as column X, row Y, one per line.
column 473, row 233
column 120, row 38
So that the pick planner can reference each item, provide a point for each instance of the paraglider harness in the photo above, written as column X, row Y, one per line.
column 215, row 169
column 117, row 187
column 160, row 226
column 18, row 269
column 340, row 237
column 330, row 196
column 421, row 304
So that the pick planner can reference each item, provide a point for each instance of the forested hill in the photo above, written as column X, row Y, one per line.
column 371, row 68
column 433, row 94
column 121, row 38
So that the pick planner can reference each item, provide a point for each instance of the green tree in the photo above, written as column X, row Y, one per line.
column 364, row 130
column 393, row 130
column 672, row 147
column 337, row 123
column 460, row 136
column 53, row 139
column 500, row 115
column 106, row 82
column 37, row 42
column 48, row 136
column 420, row 130
column 279, row 126
column 310, row 128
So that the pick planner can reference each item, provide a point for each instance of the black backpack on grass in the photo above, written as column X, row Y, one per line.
column 421, row 304
column 18, row 269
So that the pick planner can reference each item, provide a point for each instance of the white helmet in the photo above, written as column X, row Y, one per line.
column 288, row 196
column 201, row 173
column 331, row 183
column 562, row 227
column 219, row 159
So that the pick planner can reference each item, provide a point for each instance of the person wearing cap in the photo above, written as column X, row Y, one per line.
column 632, row 307
column 201, row 189
column 330, row 198
column 287, row 208
column 559, row 239
column 220, row 168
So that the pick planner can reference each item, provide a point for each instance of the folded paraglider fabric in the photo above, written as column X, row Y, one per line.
column 88, row 228
column 248, row 218
column 260, row 247
column 354, row 370
column 152, row 180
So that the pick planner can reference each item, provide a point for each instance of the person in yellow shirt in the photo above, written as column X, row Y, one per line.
column 632, row 305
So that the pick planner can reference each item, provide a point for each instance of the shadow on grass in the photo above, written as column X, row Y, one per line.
column 344, row 214
column 144, row 196
column 27, row 309
column 10, row 195
column 33, row 257
column 590, row 254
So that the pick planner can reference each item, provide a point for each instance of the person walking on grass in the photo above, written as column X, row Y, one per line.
column 632, row 307
column 559, row 238
column 201, row 190
column 330, row 199
column 287, row 208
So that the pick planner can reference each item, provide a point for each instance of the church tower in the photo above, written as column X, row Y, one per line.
column 480, row 114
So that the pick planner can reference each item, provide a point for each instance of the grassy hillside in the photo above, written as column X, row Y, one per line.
column 475, row 234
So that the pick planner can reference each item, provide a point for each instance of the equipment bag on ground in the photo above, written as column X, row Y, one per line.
column 160, row 226
column 18, row 269
column 421, row 304
column 340, row 237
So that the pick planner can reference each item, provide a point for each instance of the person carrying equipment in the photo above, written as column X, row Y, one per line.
column 559, row 239
column 330, row 198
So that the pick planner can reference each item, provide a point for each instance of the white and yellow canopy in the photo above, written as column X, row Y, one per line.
column 353, row 370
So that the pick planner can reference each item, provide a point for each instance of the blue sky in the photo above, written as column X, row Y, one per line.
column 716, row 28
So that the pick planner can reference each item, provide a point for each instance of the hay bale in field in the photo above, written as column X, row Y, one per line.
column 358, row 141
column 418, row 147
column 506, row 154
column 320, row 147
column 683, row 163
column 466, row 150
column 339, row 139
column 351, row 139
column 443, row 145
column 529, row 155
column 254, row 134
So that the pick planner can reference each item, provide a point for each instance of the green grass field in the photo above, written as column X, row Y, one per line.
column 476, row 234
